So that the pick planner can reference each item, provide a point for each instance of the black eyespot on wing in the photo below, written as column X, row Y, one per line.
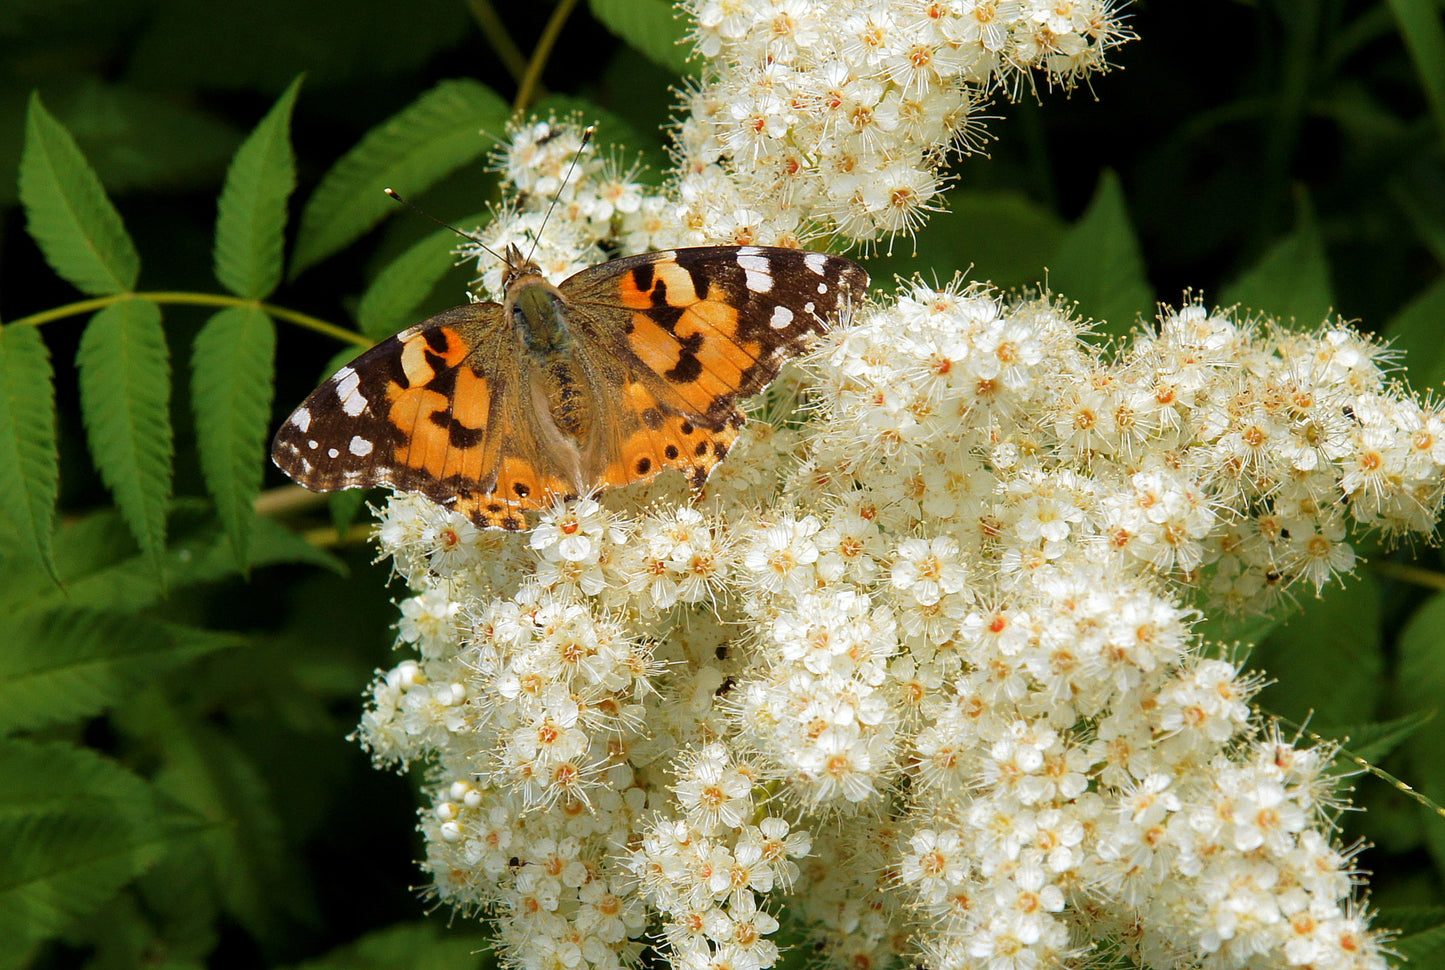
column 644, row 465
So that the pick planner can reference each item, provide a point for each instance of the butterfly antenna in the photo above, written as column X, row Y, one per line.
column 445, row 225
column 587, row 134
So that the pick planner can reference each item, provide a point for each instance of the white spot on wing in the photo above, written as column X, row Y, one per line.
column 312, row 444
column 347, row 384
column 332, row 453
column 758, row 269
column 822, row 287
column 816, row 262
column 301, row 419
column 782, row 316
column 749, row 251
column 360, row 446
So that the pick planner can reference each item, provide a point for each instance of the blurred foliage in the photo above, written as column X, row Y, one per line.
column 180, row 673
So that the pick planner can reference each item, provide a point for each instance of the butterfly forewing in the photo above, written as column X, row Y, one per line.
column 473, row 409
column 707, row 328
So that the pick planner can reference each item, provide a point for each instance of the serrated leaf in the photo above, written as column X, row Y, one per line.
column 131, row 137
column 68, row 213
column 390, row 302
column 233, row 363
column 74, row 828
column 438, row 133
column 1328, row 658
column 1291, row 281
column 651, row 27
column 125, row 392
column 251, row 213
column 29, row 464
column 66, row 664
column 1099, row 265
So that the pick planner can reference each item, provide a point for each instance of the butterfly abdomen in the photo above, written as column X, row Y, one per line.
column 565, row 398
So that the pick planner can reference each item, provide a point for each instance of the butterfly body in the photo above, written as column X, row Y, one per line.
column 622, row 370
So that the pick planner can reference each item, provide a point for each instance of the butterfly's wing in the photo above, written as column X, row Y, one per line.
column 446, row 409
column 694, row 332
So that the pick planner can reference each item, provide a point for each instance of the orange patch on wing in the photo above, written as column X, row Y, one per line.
column 472, row 403
column 414, row 351
column 630, row 295
column 423, row 443
column 720, row 353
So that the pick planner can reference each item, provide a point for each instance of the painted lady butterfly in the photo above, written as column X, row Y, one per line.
column 622, row 370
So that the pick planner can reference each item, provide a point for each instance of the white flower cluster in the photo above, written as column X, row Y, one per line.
column 915, row 672
column 817, row 119
column 813, row 121
column 926, row 658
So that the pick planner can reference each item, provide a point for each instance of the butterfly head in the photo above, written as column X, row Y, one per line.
column 519, row 269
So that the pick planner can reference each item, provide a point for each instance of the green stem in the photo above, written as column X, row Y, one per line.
column 195, row 299
column 527, row 91
column 496, row 33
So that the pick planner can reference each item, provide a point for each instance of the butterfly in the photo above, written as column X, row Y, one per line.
column 620, row 371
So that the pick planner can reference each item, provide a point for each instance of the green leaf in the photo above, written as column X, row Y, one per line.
column 125, row 391
column 409, row 946
column 442, row 130
column 251, row 213
column 1416, row 330
column 29, row 465
column 1291, row 281
column 1420, row 682
column 74, row 828
column 100, row 566
column 132, row 138
column 255, row 873
column 651, row 27
column 233, row 365
column 67, row 664
column 1001, row 237
column 1328, row 659
column 1374, row 742
column 1098, row 263
column 390, row 302
column 1419, row 23
column 67, row 211
column 1418, row 948
column 345, row 506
